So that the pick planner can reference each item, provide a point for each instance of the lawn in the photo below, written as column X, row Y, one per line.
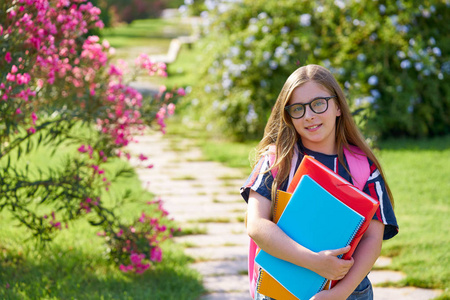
column 151, row 32
column 74, row 265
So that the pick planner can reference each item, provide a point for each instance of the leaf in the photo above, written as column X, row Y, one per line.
column 19, row 152
column 97, row 223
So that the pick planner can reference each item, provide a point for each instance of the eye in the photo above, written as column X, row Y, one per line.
column 297, row 108
column 318, row 103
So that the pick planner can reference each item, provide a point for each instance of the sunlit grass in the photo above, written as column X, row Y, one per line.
column 75, row 264
column 150, row 32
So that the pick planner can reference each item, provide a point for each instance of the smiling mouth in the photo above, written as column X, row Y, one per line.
column 313, row 127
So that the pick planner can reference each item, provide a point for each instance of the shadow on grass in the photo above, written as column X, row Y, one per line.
column 435, row 143
column 71, row 274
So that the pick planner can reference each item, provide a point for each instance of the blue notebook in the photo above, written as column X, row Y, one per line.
column 317, row 220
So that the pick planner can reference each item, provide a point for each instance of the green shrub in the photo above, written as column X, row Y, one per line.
column 392, row 59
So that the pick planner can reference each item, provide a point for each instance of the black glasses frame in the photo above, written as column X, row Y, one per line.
column 308, row 104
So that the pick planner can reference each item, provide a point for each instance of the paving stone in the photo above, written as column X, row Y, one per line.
column 221, row 267
column 205, row 240
column 407, row 293
column 223, row 228
column 218, row 253
column 227, row 283
column 383, row 261
column 227, row 296
column 382, row 276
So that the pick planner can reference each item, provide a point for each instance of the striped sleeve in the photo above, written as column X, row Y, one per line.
column 376, row 188
column 260, row 180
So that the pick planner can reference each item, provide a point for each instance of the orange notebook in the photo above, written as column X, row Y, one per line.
column 338, row 187
column 266, row 284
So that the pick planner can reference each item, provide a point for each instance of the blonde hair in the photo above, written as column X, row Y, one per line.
column 280, row 131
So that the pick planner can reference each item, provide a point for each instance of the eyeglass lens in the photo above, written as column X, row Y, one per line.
column 317, row 106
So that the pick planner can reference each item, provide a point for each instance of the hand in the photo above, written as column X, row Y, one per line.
column 330, row 266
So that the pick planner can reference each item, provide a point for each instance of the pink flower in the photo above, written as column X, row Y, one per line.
column 31, row 130
column 142, row 157
column 12, row 14
column 171, row 108
column 156, row 254
column 142, row 218
column 10, row 77
column 18, row 111
column 34, row 118
column 82, row 149
column 123, row 268
column 181, row 92
column 136, row 258
column 14, row 69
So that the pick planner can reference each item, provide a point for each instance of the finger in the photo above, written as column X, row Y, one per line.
column 340, row 251
column 348, row 263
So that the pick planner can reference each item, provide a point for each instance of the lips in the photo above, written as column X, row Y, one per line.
column 313, row 127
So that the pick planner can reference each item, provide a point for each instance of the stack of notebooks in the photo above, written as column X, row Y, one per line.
column 320, row 211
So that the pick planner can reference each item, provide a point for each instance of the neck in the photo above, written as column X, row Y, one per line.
column 328, row 149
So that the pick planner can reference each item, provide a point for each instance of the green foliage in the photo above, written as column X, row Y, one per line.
column 392, row 59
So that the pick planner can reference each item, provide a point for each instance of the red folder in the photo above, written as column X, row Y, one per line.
column 341, row 189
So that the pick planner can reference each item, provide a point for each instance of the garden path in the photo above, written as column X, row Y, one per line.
column 205, row 195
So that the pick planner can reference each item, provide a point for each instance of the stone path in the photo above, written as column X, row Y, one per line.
column 205, row 195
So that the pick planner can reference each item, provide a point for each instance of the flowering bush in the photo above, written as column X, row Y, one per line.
column 392, row 59
column 58, row 88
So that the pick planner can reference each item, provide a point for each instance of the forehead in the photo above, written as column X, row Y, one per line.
column 307, row 92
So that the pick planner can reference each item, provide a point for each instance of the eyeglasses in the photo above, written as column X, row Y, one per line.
column 318, row 106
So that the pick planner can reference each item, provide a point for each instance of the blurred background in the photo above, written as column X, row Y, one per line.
column 231, row 58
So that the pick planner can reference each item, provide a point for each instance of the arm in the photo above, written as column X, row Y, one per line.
column 269, row 237
column 365, row 255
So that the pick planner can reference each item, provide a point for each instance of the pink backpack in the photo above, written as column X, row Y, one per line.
column 360, row 170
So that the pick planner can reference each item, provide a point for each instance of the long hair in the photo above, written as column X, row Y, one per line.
column 280, row 131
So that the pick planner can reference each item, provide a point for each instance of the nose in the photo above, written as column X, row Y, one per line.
column 309, row 114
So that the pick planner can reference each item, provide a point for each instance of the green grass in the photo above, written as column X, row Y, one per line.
column 74, row 265
column 144, row 33
column 233, row 154
column 418, row 173
column 184, row 71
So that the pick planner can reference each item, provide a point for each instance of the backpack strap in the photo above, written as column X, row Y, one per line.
column 253, row 248
column 358, row 165
column 272, row 155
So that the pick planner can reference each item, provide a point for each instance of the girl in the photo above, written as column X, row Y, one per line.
column 312, row 116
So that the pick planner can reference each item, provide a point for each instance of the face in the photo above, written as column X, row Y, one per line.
column 317, row 131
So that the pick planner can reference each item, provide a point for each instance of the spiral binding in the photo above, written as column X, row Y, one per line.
column 340, row 256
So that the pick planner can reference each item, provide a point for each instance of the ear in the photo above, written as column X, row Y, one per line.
column 338, row 111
